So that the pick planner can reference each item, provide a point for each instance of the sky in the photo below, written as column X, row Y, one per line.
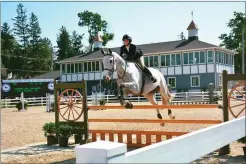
column 146, row 22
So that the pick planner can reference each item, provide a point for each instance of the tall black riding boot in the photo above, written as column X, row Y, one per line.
column 152, row 78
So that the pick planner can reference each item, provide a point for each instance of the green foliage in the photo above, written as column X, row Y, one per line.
column 76, row 41
column 49, row 129
column 204, row 89
column 233, row 40
column 102, row 101
column 19, row 105
column 179, row 90
column 64, row 44
column 65, row 130
column 94, row 24
column 242, row 140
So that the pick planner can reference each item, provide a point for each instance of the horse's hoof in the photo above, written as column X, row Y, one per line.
column 129, row 105
column 169, row 111
column 159, row 116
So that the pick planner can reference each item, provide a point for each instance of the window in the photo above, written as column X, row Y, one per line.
column 175, row 59
column 146, row 61
column 163, row 60
column 72, row 67
column 68, row 68
column 97, row 66
column 89, row 66
column 217, row 56
column 202, row 57
column 186, row 58
column 197, row 58
column 172, row 82
column 76, row 68
column 191, row 59
column 85, row 67
column 63, row 68
column 79, row 67
column 220, row 80
column 173, row 62
column 156, row 61
column 210, row 57
column 195, row 81
column 93, row 66
column 178, row 59
column 168, row 60
column 232, row 60
column 151, row 61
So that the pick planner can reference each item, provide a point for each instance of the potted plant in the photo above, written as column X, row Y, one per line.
column 64, row 131
column 19, row 105
column 243, row 141
column 52, row 107
column 50, row 132
column 77, row 131
column 102, row 102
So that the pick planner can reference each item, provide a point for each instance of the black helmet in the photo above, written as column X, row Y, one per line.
column 127, row 37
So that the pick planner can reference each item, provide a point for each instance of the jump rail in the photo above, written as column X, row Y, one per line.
column 157, row 121
column 176, row 150
column 144, row 107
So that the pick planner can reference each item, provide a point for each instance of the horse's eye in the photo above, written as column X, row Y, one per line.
column 111, row 61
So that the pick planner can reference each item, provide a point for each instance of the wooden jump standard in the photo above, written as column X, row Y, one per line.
column 157, row 121
column 184, row 106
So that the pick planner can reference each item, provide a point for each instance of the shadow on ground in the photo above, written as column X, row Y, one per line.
column 37, row 149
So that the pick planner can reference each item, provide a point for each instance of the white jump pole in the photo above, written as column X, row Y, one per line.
column 22, row 100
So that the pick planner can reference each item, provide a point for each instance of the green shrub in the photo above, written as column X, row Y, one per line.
column 102, row 101
column 65, row 130
column 242, row 140
column 49, row 129
column 19, row 105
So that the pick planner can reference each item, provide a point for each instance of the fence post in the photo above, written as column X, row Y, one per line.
column 22, row 100
column 41, row 101
column 101, row 152
column 211, row 93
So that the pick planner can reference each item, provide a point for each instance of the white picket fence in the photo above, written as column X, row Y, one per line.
column 183, row 149
column 94, row 98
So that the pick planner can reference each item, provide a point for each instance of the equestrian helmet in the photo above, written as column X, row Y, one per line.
column 127, row 37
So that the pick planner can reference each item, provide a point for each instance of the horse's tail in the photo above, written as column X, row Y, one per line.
column 165, row 91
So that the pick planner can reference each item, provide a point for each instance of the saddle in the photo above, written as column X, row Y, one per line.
column 143, row 76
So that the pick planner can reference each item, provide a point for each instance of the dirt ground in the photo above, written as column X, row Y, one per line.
column 20, row 129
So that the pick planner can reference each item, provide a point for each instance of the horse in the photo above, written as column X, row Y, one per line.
column 131, row 80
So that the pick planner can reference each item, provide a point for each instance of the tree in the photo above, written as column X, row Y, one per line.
column 21, row 31
column 94, row 24
column 233, row 40
column 76, row 41
column 64, row 44
column 8, row 47
column 34, row 31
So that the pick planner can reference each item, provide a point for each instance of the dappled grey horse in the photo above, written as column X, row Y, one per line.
column 132, row 80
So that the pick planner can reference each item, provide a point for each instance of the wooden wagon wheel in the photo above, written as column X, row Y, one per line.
column 69, row 106
column 237, row 105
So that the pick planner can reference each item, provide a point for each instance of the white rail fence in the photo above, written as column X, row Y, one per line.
column 94, row 99
column 183, row 149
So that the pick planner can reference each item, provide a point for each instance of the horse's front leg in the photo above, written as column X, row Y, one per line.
column 123, row 95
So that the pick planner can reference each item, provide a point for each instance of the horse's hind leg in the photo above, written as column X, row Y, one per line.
column 169, row 110
column 150, row 96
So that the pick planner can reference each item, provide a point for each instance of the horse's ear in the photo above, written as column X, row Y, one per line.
column 110, row 51
column 102, row 51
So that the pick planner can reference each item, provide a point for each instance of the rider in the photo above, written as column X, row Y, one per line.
column 133, row 54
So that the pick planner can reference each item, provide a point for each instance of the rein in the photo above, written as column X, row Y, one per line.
column 112, row 69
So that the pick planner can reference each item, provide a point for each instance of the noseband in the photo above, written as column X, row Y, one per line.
column 112, row 69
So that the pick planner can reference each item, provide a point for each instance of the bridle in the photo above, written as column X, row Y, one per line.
column 112, row 69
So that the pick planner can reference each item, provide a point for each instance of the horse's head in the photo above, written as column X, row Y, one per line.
column 109, row 65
